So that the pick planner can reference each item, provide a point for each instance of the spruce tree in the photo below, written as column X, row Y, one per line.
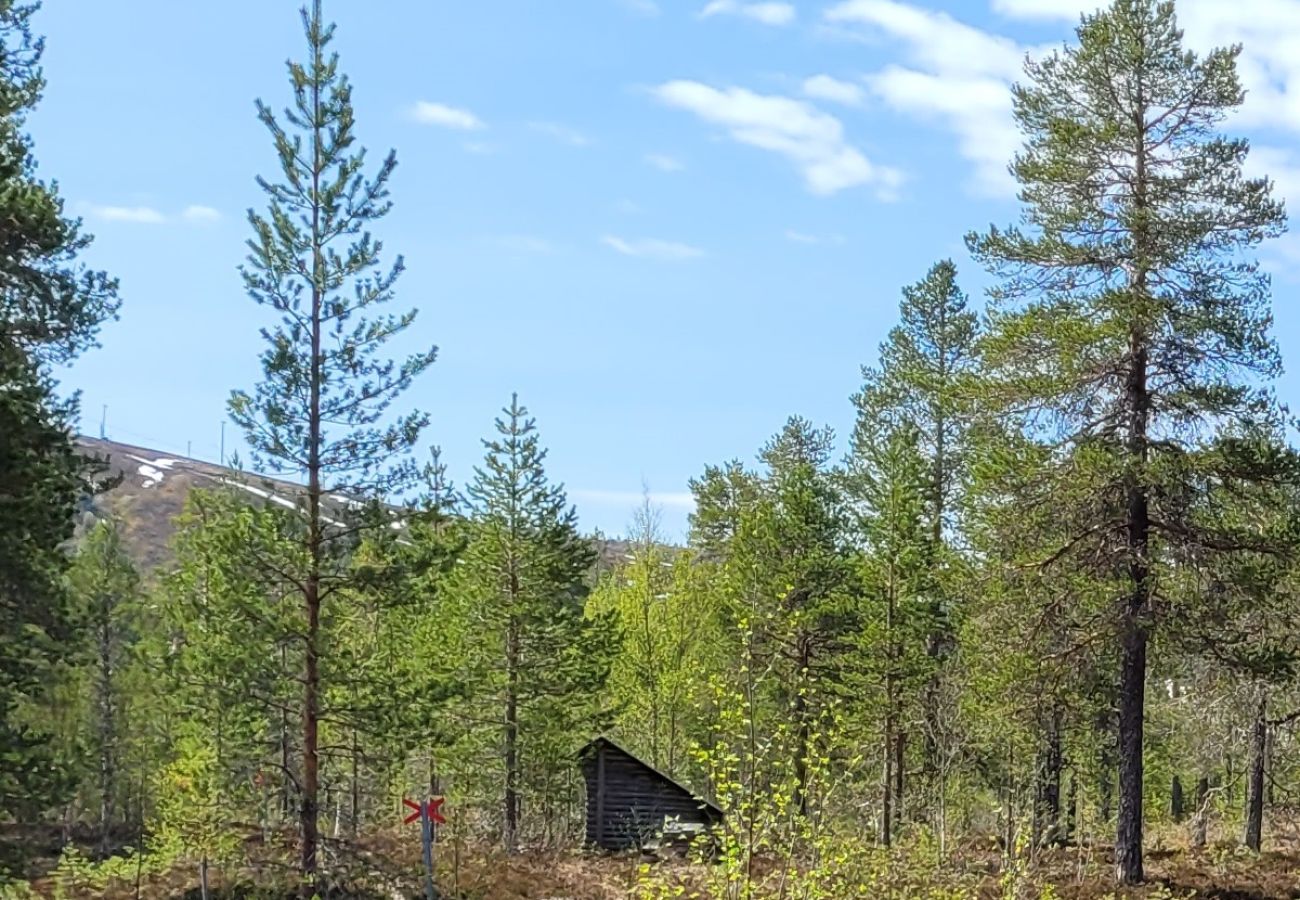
column 323, row 409
column 1129, row 320
column 51, row 307
column 526, row 584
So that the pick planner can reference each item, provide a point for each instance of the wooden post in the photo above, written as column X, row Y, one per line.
column 426, row 832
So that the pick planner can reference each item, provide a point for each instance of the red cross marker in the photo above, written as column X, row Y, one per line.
column 411, row 804
column 431, row 806
column 435, row 804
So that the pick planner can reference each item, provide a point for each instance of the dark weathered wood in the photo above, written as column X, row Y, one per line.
column 629, row 800
column 600, row 789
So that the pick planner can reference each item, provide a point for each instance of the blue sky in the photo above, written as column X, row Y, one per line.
column 668, row 225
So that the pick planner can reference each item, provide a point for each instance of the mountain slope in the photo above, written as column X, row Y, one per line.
column 153, row 488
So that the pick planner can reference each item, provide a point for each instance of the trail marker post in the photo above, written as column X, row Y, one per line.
column 428, row 814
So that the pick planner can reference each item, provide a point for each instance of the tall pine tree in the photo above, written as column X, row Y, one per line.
column 1129, row 320
column 323, row 408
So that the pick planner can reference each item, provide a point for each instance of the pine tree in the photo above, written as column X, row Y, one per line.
column 51, row 307
column 526, row 584
column 891, row 486
column 919, row 383
column 323, row 408
column 1128, row 320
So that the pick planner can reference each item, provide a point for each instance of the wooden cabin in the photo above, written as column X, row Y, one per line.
column 631, row 804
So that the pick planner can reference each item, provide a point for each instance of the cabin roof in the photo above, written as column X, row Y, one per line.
column 671, row 782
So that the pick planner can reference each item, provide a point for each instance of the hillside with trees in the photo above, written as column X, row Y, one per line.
column 1031, row 630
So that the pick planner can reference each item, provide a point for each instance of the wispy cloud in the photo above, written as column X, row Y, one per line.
column 198, row 213
column 803, row 237
column 673, row 499
column 139, row 215
column 1267, row 30
column 562, row 133
column 664, row 163
column 811, row 139
column 824, row 87
column 650, row 248
column 148, row 215
column 1047, row 9
column 958, row 75
column 444, row 116
column 768, row 13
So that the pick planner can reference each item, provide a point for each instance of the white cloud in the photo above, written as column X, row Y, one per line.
column 768, row 13
column 641, row 7
column 664, row 163
column 561, row 133
column 803, row 237
column 443, row 116
column 824, row 87
column 934, row 39
column 198, row 213
column 676, row 500
column 958, row 76
column 649, row 248
column 813, row 140
column 148, row 215
column 1069, row 10
column 139, row 215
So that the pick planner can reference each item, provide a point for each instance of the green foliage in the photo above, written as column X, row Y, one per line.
column 50, row 309
column 192, row 815
column 313, row 262
column 1128, row 325
column 531, row 651
column 662, row 607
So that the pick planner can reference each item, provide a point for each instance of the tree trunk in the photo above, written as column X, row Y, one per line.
column 887, row 780
column 1049, row 788
column 891, row 721
column 107, row 721
column 1128, row 833
column 1177, row 810
column 1072, row 811
column 1133, row 627
column 804, row 736
column 900, row 774
column 936, row 640
column 511, row 833
column 1255, row 783
column 309, row 807
column 1201, row 819
column 354, row 808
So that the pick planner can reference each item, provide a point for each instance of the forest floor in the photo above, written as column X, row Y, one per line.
column 387, row 865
